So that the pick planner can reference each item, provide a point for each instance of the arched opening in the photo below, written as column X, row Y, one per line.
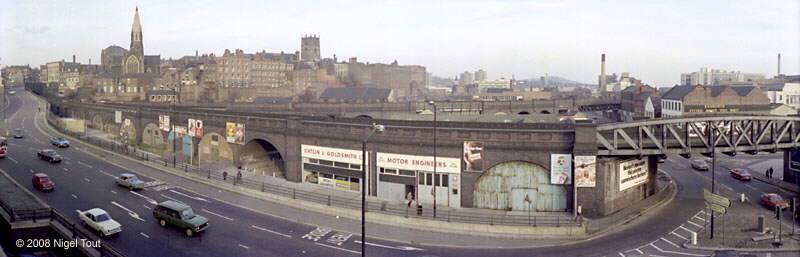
column 524, row 113
column 364, row 116
column 153, row 138
column 506, row 186
column 214, row 149
column 261, row 156
column 127, row 132
column 544, row 112
column 97, row 122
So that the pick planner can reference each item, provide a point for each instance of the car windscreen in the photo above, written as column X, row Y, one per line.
column 44, row 179
column 775, row 198
column 187, row 214
column 103, row 217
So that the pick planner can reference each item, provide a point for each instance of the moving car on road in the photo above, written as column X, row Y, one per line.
column 741, row 174
column 179, row 215
column 773, row 200
column 131, row 181
column 18, row 133
column 3, row 147
column 42, row 182
column 699, row 164
column 12, row 92
column 59, row 142
column 49, row 155
column 98, row 220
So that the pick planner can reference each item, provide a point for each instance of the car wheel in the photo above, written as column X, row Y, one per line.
column 163, row 223
column 189, row 232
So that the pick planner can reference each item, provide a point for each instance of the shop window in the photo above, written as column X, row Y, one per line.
column 421, row 179
column 428, row 179
column 407, row 173
column 341, row 165
column 214, row 138
column 313, row 161
column 326, row 163
column 327, row 175
column 437, row 181
column 355, row 166
column 445, row 181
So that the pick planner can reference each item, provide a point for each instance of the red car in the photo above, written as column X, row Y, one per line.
column 42, row 182
column 773, row 201
column 740, row 174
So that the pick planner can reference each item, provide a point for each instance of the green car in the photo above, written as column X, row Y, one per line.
column 179, row 215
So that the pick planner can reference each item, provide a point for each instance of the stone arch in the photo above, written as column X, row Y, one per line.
column 97, row 122
column 127, row 130
column 153, row 136
column 544, row 112
column 506, row 185
column 261, row 155
column 364, row 116
column 524, row 113
column 214, row 149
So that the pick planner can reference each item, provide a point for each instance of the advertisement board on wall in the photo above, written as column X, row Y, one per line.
column 417, row 162
column 180, row 130
column 473, row 156
column 560, row 169
column 585, row 171
column 118, row 117
column 331, row 154
column 234, row 133
column 163, row 122
column 195, row 128
column 190, row 128
column 632, row 173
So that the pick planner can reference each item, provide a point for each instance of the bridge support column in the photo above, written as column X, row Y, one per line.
column 621, row 182
column 791, row 175
column 292, row 157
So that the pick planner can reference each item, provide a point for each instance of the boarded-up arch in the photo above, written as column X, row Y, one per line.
column 214, row 149
column 153, row 136
column 506, row 185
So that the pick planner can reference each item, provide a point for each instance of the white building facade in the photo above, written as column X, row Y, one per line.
column 707, row 76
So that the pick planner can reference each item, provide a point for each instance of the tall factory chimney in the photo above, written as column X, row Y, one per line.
column 602, row 72
column 779, row 64
column 73, row 58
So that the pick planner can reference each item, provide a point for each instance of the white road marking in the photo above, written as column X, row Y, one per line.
column 620, row 254
column 65, row 169
column 131, row 213
column 678, row 235
column 670, row 242
column 267, row 230
column 162, row 195
column 217, row 214
column 84, row 164
column 106, row 173
column 74, row 196
column 640, row 251
column 672, row 252
column 31, row 170
column 681, row 226
column 699, row 218
column 147, row 207
column 188, row 196
column 12, row 159
column 87, row 179
column 695, row 224
column 144, row 235
column 114, row 192
column 149, row 200
column 244, row 246
column 404, row 248
column 338, row 248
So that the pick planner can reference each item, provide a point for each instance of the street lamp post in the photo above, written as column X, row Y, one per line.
column 435, row 164
column 713, row 142
column 375, row 128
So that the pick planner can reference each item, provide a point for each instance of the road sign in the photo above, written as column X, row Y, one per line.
column 716, row 199
column 716, row 208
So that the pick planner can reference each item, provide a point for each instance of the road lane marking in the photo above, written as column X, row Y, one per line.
column 31, row 170
column 87, row 179
column 690, row 231
column 217, row 214
column 106, row 173
column 620, row 254
column 673, row 252
column 267, row 230
column 148, row 199
column 144, row 235
column 188, row 196
column 112, row 191
column 670, row 242
column 65, row 169
column 12, row 159
column 678, row 235
column 699, row 218
column 338, row 248
column 147, row 207
column 640, row 251
column 403, row 248
column 162, row 195
column 74, row 196
column 84, row 164
column 131, row 213
column 244, row 246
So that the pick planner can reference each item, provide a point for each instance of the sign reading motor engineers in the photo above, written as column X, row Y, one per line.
column 332, row 154
column 416, row 162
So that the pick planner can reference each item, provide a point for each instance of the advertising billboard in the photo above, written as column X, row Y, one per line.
column 632, row 173
column 118, row 117
column 195, row 128
column 163, row 122
column 180, row 130
column 473, row 156
column 560, row 169
column 585, row 174
column 234, row 133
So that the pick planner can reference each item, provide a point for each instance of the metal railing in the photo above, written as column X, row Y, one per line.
column 25, row 214
column 327, row 199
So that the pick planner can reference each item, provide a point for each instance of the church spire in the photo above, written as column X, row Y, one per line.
column 137, row 27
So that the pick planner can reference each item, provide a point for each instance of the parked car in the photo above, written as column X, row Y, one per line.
column 18, row 133
column 99, row 220
column 773, row 200
column 700, row 164
column 49, row 155
column 131, row 181
column 741, row 174
column 59, row 142
column 179, row 215
column 42, row 182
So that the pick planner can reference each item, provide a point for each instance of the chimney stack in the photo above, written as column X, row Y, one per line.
column 73, row 58
column 779, row 64
column 602, row 72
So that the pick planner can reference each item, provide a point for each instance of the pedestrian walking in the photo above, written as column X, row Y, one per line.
column 225, row 175
column 239, row 176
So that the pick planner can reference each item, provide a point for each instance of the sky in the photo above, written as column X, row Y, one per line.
column 655, row 41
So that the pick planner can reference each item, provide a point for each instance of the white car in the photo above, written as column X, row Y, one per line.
column 100, row 221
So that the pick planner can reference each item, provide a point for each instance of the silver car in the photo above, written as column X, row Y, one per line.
column 700, row 164
column 131, row 181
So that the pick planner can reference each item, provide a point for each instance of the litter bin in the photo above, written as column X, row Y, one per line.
column 419, row 209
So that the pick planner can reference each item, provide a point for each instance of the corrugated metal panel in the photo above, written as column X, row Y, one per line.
column 505, row 186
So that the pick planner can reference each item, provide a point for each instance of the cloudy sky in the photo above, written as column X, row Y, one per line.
column 653, row 40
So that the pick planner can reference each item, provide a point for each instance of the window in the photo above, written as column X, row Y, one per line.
column 341, row 165
column 428, row 179
column 445, row 182
column 326, row 163
column 355, row 166
column 407, row 173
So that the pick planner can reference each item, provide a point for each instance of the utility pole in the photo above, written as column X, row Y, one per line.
column 713, row 167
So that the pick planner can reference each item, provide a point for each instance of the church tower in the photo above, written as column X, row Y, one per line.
column 134, row 61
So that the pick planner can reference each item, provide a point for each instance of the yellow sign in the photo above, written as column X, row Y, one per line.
column 716, row 208
column 716, row 199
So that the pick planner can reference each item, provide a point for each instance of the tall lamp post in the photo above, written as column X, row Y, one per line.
column 712, row 129
column 375, row 128
column 435, row 164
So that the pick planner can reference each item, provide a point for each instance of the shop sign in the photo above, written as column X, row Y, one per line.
column 343, row 184
column 632, row 173
column 325, row 181
column 419, row 163
column 473, row 156
column 331, row 154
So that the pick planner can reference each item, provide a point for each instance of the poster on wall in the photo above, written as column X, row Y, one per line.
column 234, row 133
column 198, row 128
column 585, row 171
column 473, row 156
column 632, row 173
column 163, row 122
column 118, row 117
column 560, row 169
column 180, row 130
column 190, row 128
